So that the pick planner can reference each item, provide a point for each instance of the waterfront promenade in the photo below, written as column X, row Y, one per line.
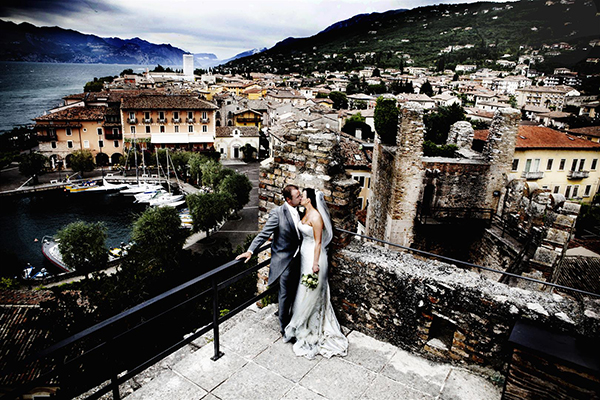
column 258, row 365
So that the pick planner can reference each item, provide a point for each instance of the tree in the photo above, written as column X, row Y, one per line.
column 82, row 161
column 438, row 123
column 82, row 246
column 210, row 173
column 32, row 164
column 248, row 151
column 208, row 209
column 386, row 120
column 376, row 72
column 157, row 234
column 340, row 100
column 127, row 71
column 426, row 88
column 239, row 187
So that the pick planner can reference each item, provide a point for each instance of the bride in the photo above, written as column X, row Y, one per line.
column 314, row 325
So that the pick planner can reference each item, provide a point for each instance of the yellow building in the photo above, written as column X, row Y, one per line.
column 170, row 121
column 95, row 128
column 558, row 162
column 247, row 117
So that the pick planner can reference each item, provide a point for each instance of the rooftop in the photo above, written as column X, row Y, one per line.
column 258, row 365
column 171, row 102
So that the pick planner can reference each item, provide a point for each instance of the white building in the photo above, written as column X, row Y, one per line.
column 188, row 66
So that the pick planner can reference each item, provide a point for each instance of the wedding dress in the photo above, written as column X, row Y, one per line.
column 313, row 323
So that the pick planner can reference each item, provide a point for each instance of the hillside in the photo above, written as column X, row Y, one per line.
column 485, row 31
column 26, row 42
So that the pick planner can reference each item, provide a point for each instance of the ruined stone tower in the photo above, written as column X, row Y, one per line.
column 397, row 179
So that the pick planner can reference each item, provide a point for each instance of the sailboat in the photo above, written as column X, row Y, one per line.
column 139, row 187
column 167, row 198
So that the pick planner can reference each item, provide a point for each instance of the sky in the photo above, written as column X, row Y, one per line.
column 224, row 27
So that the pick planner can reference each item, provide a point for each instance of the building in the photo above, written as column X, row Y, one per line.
column 188, row 66
column 231, row 139
column 542, row 96
column 170, row 121
column 557, row 161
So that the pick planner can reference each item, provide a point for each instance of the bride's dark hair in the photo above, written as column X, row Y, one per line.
column 310, row 194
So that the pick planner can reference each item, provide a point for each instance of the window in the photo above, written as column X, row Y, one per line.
column 549, row 164
column 581, row 164
column 556, row 189
column 587, row 191
column 116, row 144
column 70, row 144
column 191, row 128
column 162, row 129
column 68, row 130
column 561, row 166
column 532, row 165
column 575, row 190
column 204, row 128
column 133, row 129
column 190, row 115
column 53, row 145
column 146, row 115
column 161, row 115
column 515, row 164
column 204, row 116
column 568, row 192
column 101, row 143
column 115, row 131
column 574, row 165
column 86, row 144
column 131, row 115
column 594, row 164
column 176, row 128
column 176, row 115
column 360, row 203
column 99, row 131
column 147, row 129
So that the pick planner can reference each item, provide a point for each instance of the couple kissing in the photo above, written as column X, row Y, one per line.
column 299, row 261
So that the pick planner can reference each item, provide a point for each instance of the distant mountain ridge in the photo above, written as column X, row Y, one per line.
column 27, row 42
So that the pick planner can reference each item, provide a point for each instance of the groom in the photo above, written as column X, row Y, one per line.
column 285, row 257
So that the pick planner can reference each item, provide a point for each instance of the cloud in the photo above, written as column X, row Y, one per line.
column 225, row 27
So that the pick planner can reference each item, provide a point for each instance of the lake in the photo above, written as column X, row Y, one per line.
column 23, row 220
column 27, row 90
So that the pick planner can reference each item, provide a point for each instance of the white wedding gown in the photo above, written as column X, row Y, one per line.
column 313, row 323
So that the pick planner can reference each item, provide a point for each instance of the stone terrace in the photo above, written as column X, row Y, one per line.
column 258, row 365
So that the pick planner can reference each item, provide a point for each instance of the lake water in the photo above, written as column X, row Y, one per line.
column 27, row 90
column 25, row 219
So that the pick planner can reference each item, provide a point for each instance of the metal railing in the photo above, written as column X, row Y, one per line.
column 73, row 358
column 429, row 215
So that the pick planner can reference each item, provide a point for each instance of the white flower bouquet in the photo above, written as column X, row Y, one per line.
column 310, row 280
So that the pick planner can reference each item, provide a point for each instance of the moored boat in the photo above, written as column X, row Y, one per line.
column 80, row 187
column 140, row 188
column 50, row 250
column 107, row 186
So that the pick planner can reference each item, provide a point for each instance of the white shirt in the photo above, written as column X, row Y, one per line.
column 295, row 216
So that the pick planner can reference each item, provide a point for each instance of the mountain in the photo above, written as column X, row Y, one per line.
column 439, row 36
column 26, row 42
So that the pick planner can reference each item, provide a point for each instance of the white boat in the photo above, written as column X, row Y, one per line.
column 165, row 199
column 174, row 204
column 140, row 188
column 146, row 196
column 51, row 251
column 80, row 187
column 107, row 186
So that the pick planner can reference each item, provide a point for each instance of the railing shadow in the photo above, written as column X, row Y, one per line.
column 117, row 349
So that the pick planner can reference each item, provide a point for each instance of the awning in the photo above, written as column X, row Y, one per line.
column 180, row 138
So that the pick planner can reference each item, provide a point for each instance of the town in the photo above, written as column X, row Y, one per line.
column 455, row 194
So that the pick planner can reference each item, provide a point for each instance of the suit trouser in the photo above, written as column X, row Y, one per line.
column 288, row 286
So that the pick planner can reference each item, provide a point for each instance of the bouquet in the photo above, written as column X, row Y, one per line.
column 310, row 280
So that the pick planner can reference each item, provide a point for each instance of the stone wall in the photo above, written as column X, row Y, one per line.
column 442, row 311
column 308, row 158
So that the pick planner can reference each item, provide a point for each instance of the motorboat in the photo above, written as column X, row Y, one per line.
column 107, row 186
column 161, row 199
column 80, row 187
column 147, row 195
column 50, row 250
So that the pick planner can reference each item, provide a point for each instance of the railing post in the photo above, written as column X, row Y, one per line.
column 114, row 383
column 218, row 353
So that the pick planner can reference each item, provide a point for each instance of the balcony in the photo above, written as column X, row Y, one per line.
column 46, row 138
column 205, row 120
column 147, row 120
column 113, row 136
column 190, row 120
column 532, row 175
column 132, row 120
column 176, row 120
column 162, row 120
column 578, row 174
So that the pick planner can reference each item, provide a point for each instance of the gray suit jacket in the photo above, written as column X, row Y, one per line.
column 285, row 240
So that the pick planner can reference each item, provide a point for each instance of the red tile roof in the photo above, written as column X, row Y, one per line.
column 540, row 137
column 587, row 130
column 166, row 102
column 75, row 113
column 245, row 131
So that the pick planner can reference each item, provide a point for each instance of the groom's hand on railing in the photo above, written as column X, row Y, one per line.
column 245, row 255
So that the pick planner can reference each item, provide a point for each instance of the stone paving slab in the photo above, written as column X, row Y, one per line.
column 258, row 365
